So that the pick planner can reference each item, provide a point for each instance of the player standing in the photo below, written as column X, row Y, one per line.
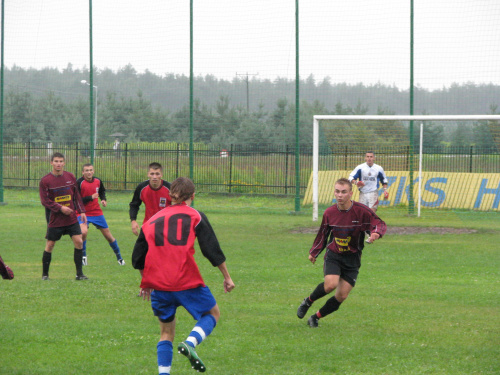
column 91, row 189
column 342, row 234
column 59, row 194
column 164, row 253
column 154, row 192
column 368, row 176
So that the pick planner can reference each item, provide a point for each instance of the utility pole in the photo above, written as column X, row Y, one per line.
column 248, row 91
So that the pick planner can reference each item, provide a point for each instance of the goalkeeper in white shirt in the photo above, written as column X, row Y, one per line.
column 367, row 177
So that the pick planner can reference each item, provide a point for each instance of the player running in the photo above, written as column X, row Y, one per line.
column 368, row 176
column 92, row 189
column 342, row 234
column 164, row 253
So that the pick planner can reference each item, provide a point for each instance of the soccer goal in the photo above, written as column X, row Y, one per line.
column 445, row 161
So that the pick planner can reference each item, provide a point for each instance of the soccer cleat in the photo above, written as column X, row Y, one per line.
column 121, row 262
column 81, row 277
column 190, row 354
column 6, row 271
column 45, row 277
column 304, row 306
column 313, row 321
column 84, row 261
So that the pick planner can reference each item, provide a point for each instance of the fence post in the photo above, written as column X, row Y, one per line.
column 76, row 156
column 407, row 158
column 286, row 170
column 29, row 163
column 177, row 161
column 230, row 167
column 345, row 157
column 471, row 153
column 125, row 172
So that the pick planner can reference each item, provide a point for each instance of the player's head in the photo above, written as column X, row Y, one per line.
column 56, row 155
column 155, row 174
column 181, row 190
column 343, row 191
column 88, row 171
column 57, row 162
column 155, row 165
column 369, row 158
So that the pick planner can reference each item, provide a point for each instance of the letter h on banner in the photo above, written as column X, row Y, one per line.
column 483, row 190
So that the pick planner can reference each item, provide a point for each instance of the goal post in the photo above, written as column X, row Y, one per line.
column 370, row 119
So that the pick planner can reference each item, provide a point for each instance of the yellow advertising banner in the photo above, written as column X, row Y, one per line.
column 477, row 191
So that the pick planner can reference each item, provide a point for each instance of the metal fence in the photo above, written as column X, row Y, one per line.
column 238, row 169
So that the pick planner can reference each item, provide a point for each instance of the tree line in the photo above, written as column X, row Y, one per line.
column 52, row 105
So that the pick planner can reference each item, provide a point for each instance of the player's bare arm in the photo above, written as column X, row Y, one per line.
column 373, row 237
column 135, row 227
column 228, row 282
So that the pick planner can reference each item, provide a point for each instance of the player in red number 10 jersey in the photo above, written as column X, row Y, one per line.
column 164, row 253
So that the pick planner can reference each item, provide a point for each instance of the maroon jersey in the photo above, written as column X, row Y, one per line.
column 58, row 191
column 154, row 199
column 342, row 231
column 165, row 249
column 87, row 189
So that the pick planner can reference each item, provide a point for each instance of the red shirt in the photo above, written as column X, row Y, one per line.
column 165, row 249
column 154, row 199
column 58, row 191
column 87, row 189
column 341, row 231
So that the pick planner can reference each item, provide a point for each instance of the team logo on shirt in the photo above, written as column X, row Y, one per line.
column 163, row 202
column 63, row 200
column 343, row 243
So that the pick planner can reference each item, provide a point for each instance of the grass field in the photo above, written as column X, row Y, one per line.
column 423, row 304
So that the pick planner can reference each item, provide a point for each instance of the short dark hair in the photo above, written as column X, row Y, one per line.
column 370, row 152
column 182, row 189
column 56, row 155
column 344, row 181
column 155, row 165
column 86, row 165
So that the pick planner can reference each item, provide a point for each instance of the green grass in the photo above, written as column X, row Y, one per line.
column 423, row 304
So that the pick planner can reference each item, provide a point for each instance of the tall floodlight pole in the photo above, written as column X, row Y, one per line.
column 297, row 112
column 1, row 109
column 410, row 157
column 91, row 84
column 191, row 142
column 94, row 139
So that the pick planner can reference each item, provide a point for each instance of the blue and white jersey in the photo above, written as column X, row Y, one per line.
column 371, row 176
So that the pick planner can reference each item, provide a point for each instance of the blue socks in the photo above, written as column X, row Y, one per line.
column 85, row 248
column 116, row 249
column 201, row 330
column 164, row 351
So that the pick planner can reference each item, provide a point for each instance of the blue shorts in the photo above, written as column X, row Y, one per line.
column 197, row 302
column 98, row 221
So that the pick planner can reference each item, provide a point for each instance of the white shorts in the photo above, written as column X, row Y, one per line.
column 369, row 199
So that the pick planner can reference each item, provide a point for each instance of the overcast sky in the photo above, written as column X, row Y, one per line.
column 351, row 41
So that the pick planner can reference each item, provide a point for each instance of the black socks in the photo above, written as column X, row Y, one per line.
column 46, row 259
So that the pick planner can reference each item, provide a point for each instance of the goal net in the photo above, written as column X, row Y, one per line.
column 431, row 161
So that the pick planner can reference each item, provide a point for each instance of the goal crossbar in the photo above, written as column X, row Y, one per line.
column 317, row 118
